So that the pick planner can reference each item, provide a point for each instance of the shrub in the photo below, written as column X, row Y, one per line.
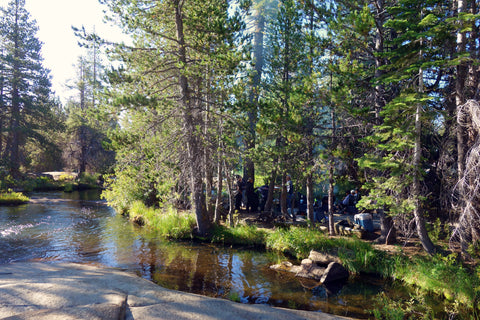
column 89, row 179
column 68, row 187
column 66, row 177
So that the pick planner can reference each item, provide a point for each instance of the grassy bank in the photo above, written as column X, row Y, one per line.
column 166, row 222
column 65, row 182
column 444, row 278
column 13, row 198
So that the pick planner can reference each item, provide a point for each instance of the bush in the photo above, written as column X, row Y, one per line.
column 122, row 191
column 66, row 177
column 89, row 179
column 68, row 187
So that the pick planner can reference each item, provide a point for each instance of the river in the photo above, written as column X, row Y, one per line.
column 78, row 227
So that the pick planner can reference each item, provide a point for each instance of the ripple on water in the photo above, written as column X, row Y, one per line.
column 15, row 229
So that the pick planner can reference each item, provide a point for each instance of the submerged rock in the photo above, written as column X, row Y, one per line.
column 313, row 268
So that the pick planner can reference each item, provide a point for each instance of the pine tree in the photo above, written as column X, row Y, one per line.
column 284, row 73
column 179, row 73
column 26, row 97
column 400, row 136
column 86, row 133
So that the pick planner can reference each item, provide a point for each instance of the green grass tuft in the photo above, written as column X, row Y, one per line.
column 442, row 275
column 239, row 235
column 13, row 198
column 167, row 223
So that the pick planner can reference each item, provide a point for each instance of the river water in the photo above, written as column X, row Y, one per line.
column 78, row 227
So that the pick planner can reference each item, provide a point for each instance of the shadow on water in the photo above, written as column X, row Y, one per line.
column 78, row 227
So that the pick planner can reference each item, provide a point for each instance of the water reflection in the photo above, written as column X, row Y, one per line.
column 77, row 227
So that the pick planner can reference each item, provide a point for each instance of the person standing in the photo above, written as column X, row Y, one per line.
column 239, row 193
column 289, row 185
column 252, row 197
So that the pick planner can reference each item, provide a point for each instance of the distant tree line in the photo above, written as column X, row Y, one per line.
column 37, row 133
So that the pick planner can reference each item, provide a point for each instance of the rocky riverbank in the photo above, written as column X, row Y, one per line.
column 67, row 291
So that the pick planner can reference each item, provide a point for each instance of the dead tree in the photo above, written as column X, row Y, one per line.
column 467, row 190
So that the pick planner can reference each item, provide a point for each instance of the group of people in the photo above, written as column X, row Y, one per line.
column 245, row 193
column 254, row 199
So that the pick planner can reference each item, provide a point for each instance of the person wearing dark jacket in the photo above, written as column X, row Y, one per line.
column 239, row 186
column 349, row 203
column 252, row 196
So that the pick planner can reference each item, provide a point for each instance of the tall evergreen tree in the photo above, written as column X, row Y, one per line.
column 86, row 134
column 285, row 58
column 178, row 72
column 26, row 97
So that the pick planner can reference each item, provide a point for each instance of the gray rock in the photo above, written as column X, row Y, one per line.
column 69, row 291
column 323, row 258
column 314, row 272
column 307, row 269
column 334, row 272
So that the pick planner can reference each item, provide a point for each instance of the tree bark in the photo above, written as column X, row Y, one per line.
column 189, row 121
column 331, row 168
column 388, row 232
column 459, row 93
column 417, row 162
column 259, row 27
column 419, row 219
column 310, row 199
column 219, row 200
column 331, row 181
column 271, row 194
column 14, row 150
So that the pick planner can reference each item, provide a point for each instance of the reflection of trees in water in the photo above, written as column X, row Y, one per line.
column 86, row 239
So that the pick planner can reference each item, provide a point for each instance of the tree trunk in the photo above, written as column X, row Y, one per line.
column 189, row 121
column 231, row 198
column 15, row 110
column 310, row 199
column 459, row 93
column 259, row 30
column 331, row 221
column 331, row 168
column 283, row 196
column 2, row 106
column 419, row 219
column 388, row 232
column 417, row 163
column 207, row 160
column 271, row 194
column 219, row 200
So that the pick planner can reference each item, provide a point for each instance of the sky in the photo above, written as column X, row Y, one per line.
column 60, row 50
